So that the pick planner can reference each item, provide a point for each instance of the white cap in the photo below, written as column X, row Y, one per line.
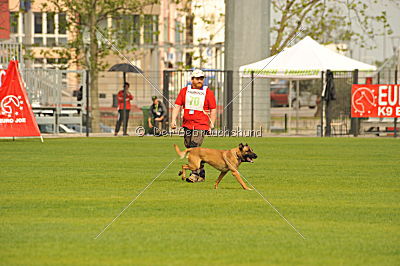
column 197, row 73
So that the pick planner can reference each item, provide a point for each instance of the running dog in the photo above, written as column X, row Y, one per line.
column 222, row 160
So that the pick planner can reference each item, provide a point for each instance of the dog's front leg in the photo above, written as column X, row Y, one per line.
column 239, row 179
column 221, row 175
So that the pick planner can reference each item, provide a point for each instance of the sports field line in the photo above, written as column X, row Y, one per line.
column 265, row 199
column 132, row 201
column 272, row 206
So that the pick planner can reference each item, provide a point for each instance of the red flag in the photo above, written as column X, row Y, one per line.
column 16, row 116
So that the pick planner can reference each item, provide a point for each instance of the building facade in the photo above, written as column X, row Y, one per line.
column 164, row 36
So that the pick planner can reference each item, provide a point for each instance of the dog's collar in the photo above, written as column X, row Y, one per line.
column 240, row 158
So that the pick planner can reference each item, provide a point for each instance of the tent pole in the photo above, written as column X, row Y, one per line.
column 252, row 102
column 297, row 106
column 290, row 106
column 395, row 119
column 322, row 103
column 240, row 104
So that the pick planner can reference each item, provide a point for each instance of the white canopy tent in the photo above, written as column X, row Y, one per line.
column 305, row 60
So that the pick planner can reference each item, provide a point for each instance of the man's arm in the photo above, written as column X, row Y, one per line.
column 213, row 116
column 163, row 109
column 213, row 108
column 161, row 118
column 120, row 97
column 175, row 113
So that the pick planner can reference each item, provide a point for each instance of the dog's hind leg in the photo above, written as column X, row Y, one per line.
column 189, row 166
column 183, row 171
column 221, row 175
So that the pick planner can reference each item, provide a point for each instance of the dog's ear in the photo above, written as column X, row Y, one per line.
column 246, row 144
column 241, row 146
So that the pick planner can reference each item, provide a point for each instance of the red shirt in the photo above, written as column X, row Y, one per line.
column 120, row 98
column 198, row 120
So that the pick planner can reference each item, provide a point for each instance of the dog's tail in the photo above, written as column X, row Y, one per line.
column 181, row 154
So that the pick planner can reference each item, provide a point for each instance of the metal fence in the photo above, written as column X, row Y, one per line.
column 57, row 107
column 340, row 111
column 216, row 80
column 10, row 51
column 57, row 98
column 341, row 122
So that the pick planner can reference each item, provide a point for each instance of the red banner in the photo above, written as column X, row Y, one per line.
column 378, row 100
column 16, row 116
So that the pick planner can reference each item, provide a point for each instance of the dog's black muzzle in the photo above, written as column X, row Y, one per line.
column 249, row 157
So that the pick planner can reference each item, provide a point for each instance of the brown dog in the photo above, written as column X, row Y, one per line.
column 222, row 160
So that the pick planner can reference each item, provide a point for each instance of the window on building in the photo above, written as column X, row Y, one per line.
column 38, row 41
column 38, row 61
column 121, row 27
column 62, row 23
column 50, row 29
column 62, row 40
column 189, row 29
column 150, row 29
column 51, row 23
column 178, row 32
column 166, row 29
column 136, row 29
column 188, row 59
column 38, row 22
column 127, row 28
column 14, row 17
column 17, row 26
column 51, row 41
column 63, row 61
column 52, row 63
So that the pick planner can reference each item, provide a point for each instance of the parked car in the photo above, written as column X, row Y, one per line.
column 280, row 97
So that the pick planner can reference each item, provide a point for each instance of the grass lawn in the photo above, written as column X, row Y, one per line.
column 342, row 194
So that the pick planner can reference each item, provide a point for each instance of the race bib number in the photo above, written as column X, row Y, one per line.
column 195, row 98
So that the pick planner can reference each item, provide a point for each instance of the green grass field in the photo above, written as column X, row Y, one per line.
column 342, row 194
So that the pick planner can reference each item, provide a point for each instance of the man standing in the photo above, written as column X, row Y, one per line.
column 199, row 116
column 157, row 115
column 123, row 105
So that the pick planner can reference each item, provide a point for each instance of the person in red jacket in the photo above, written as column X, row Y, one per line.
column 199, row 116
column 123, row 119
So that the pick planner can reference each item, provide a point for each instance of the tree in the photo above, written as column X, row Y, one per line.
column 85, row 19
column 329, row 20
